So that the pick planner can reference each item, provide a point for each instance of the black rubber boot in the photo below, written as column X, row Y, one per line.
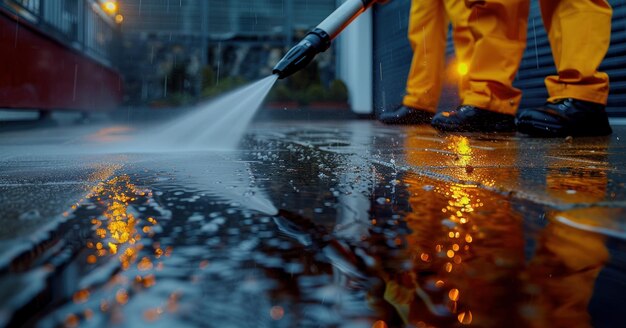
column 565, row 117
column 406, row 115
column 466, row 118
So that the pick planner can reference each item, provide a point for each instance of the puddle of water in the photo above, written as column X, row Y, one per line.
column 354, row 243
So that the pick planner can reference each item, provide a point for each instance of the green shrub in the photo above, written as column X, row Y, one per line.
column 226, row 84
column 281, row 93
column 316, row 92
column 338, row 91
column 178, row 99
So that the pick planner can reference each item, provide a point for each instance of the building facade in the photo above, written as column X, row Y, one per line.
column 179, row 48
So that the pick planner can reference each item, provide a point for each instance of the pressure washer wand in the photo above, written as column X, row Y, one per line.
column 319, row 39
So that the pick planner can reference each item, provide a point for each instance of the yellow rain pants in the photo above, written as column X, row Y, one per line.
column 580, row 33
column 428, row 26
column 490, row 35
column 499, row 30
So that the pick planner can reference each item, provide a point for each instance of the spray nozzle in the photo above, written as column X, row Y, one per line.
column 302, row 53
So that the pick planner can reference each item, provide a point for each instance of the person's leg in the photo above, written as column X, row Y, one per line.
column 498, row 28
column 427, row 36
column 462, row 38
column 579, row 33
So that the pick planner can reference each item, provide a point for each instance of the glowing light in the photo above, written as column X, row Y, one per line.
column 453, row 294
column 81, row 296
column 121, row 296
column 112, row 248
column 148, row 281
column 465, row 317
column 379, row 324
column 462, row 69
column 119, row 18
column 145, row 264
column 110, row 7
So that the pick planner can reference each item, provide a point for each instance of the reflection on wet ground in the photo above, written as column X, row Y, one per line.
column 349, row 224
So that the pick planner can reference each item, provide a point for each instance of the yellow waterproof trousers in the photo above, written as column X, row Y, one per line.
column 428, row 26
column 490, row 35
column 580, row 33
column 499, row 30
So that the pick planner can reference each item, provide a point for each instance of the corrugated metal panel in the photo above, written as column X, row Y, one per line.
column 392, row 58
column 392, row 53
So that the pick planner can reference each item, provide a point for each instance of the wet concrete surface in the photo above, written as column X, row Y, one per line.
column 313, row 224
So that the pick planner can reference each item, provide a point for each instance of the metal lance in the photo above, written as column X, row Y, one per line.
column 319, row 39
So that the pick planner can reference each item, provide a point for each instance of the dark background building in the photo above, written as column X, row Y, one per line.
column 177, row 51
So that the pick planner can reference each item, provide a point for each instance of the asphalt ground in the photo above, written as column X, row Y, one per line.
column 313, row 221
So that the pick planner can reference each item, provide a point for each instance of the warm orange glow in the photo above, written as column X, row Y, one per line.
column 379, row 324
column 145, row 264
column 119, row 18
column 121, row 296
column 453, row 294
column 81, row 296
column 465, row 317
column 462, row 69
column 149, row 281
column 110, row 7
column 72, row 321
column 461, row 147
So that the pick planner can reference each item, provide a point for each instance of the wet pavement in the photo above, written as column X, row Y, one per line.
column 313, row 224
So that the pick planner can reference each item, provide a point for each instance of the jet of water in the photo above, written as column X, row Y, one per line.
column 216, row 125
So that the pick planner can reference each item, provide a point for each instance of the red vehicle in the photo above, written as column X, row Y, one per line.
column 57, row 55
